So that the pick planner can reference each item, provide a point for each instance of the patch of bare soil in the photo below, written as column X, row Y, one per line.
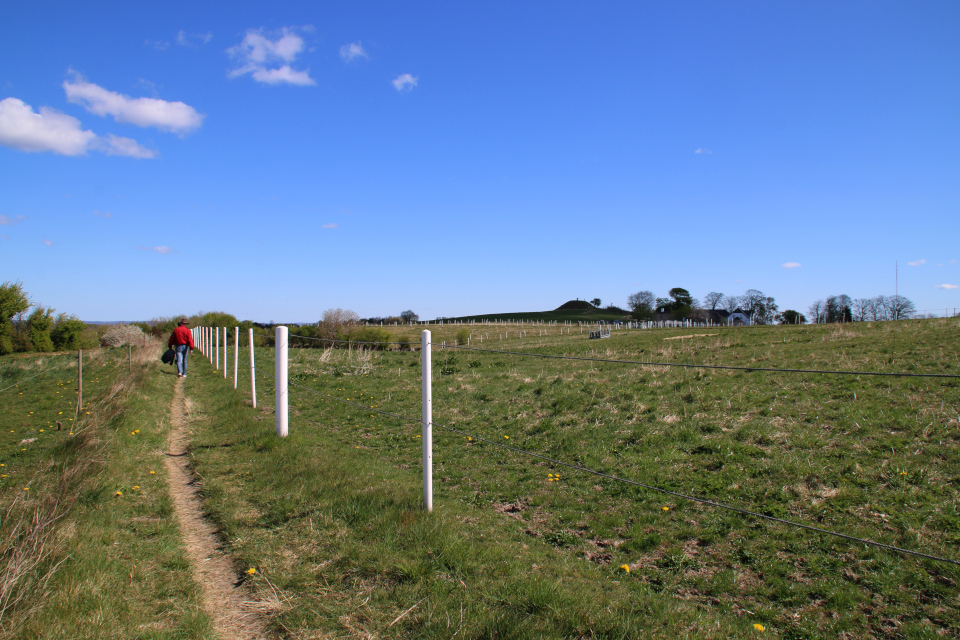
column 234, row 612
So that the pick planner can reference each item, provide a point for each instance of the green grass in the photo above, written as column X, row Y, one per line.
column 872, row 457
column 109, row 562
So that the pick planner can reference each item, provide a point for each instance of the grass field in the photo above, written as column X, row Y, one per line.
column 520, row 547
column 870, row 457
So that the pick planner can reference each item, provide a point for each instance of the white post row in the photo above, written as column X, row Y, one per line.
column 253, row 371
column 236, row 354
column 426, row 431
column 281, row 397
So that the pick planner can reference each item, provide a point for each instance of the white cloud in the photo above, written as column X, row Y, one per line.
column 790, row 265
column 353, row 51
column 159, row 45
column 7, row 220
column 176, row 117
column 185, row 39
column 947, row 286
column 259, row 56
column 332, row 225
column 404, row 82
column 704, row 150
column 917, row 263
column 49, row 130
column 49, row 243
column 118, row 146
column 283, row 75
column 161, row 250
column 104, row 214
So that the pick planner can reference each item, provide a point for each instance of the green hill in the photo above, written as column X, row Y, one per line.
column 572, row 311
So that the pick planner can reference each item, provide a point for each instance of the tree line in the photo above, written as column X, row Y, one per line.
column 763, row 309
column 40, row 330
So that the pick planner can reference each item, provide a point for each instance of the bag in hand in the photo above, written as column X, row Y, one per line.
column 169, row 357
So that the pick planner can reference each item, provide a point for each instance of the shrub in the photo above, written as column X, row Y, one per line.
column 120, row 334
column 66, row 332
column 463, row 336
column 373, row 337
column 38, row 326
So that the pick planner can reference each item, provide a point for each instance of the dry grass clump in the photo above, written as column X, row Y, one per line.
column 122, row 334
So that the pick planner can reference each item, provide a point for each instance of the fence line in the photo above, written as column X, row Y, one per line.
column 427, row 424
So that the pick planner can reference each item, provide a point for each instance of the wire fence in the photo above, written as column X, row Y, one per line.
column 612, row 476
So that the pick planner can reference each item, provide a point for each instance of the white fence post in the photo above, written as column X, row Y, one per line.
column 226, row 341
column 236, row 354
column 281, row 382
column 427, row 426
column 216, row 347
column 253, row 371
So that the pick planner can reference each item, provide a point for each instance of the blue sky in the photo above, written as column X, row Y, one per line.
column 273, row 160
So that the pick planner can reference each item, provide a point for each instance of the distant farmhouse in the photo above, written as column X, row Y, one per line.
column 736, row 318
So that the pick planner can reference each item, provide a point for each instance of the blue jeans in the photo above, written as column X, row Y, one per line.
column 181, row 351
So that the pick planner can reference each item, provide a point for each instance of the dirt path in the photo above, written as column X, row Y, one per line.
column 231, row 608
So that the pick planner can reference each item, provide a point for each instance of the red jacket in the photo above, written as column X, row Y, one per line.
column 181, row 335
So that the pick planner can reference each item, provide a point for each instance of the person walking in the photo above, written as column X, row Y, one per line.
column 181, row 341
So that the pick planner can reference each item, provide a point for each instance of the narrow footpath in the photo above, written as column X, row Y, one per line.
column 231, row 608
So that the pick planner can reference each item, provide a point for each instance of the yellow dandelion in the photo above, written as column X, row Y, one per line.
column 625, row 568
column 469, row 439
column 506, row 437
column 26, row 488
column 759, row 627
column 119, row 493
column 135, row 487
column 41, row 431
column 665, row 508
column 251, row 571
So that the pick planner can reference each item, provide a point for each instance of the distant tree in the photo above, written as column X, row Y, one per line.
column 663, row 304
column 641, row 304
column 899, row 308
column 39, row 324
column 791, row 317
column 712, row 300
column 838, row 309
column 878, row 308
column 409, row 316
column 682, row 303
column 861, row 309
column 595, row 302
column 759, row 307
column 816, row 311
column 731, row 303
column 13, row 302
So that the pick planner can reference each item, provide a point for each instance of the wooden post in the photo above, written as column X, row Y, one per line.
column 79, row 381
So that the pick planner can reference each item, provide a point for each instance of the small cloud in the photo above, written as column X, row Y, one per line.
column 185, row 39
column 161, row 250
column 332, row 225
column 7, row 220
column 917, row 263
column 790, row 265
column 704, row 150
column 159, row 45
column 947, row 286
column 104, row 214
column 283, row 75
column 117, row 146
column 404, row 82
column 175, row 117
column 353, row 51
column 49, row 243
column 4, row 237
column 259, row 55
